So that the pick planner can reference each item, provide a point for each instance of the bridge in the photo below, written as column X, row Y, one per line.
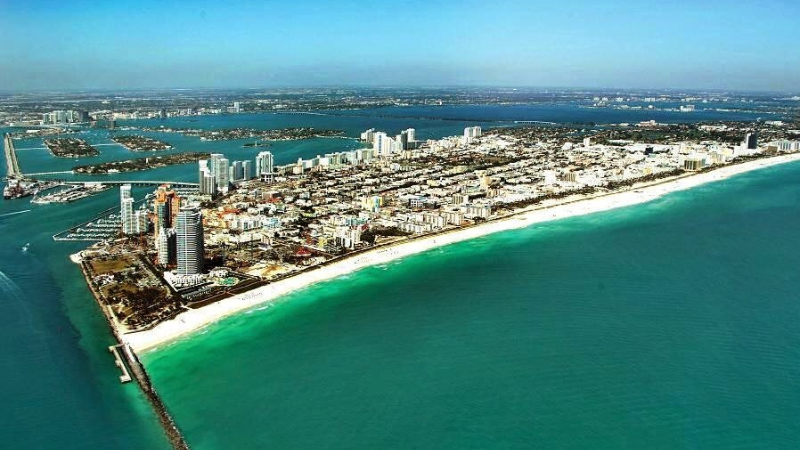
column 132, row 183
column 535, row 121
column 63, row 172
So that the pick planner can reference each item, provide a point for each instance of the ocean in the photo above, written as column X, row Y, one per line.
column 672, row 324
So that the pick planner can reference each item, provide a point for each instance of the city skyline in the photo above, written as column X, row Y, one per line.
column 642, row 45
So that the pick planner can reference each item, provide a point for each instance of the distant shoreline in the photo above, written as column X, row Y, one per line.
column 195, row 319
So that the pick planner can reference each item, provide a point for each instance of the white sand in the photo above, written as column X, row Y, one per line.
column 195, row 319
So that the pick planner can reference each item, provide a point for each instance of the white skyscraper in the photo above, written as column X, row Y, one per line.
column 383, row 145
column 140, row 222
column 411, row 134
column 126, row 209
column 219, row 168
column 368, row 136
column 247, row 173
column 378, row 142
column 471, row 133
column 238, row 171
column 265, row 166
column 208, row 184
column 165, row 245
column 189, row 237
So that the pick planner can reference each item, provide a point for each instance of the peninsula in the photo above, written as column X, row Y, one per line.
column 316, row 219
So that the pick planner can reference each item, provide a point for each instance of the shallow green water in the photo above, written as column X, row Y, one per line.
column 674, row 324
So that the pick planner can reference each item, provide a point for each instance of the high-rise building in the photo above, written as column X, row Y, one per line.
column 140, row 222
column 219, row 168
column 208, row 184
column 402, row 140
column 237, row 107
column 471, row 133
column 236, row 171
column 189, row 241
column 247, row 172
column 379, row 142
column 368, row 136
column 166, row 205
column 751, row 140
column 166, row 246
column 264, row 166
column 126, row 209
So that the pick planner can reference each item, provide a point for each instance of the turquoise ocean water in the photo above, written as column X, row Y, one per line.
column 667, row 325
column 674, row 324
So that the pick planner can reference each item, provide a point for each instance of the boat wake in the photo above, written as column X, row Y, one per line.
column 9, row 288
column 14, row 213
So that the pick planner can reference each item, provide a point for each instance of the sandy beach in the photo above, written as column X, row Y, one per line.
column 195, row 319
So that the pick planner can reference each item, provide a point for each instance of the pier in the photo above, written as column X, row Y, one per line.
column 126, row 376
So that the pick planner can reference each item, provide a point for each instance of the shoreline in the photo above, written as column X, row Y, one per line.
column 193, row 320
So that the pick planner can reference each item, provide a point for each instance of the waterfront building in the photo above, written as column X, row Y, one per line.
column 237, row 107
column 477, row 211
column 788, row 146
column 265, row 166
column 189, row 241
column 471, row 133
column 166, row 205
column 402, row 140
column 382, row 144
column 693, row 164
column 207, row 181
column 247, row 172
column 126, row 209
column 238, row 171
column 219, row 167
column 368, row 136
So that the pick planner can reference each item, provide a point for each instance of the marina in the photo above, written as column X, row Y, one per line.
column 70, row 194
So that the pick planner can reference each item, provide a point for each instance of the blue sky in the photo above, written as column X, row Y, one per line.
column 638, row 44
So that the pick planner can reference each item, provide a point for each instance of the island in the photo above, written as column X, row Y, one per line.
column 70, row 148
column 228, row 134
column 137, row 164
column 141, row 143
